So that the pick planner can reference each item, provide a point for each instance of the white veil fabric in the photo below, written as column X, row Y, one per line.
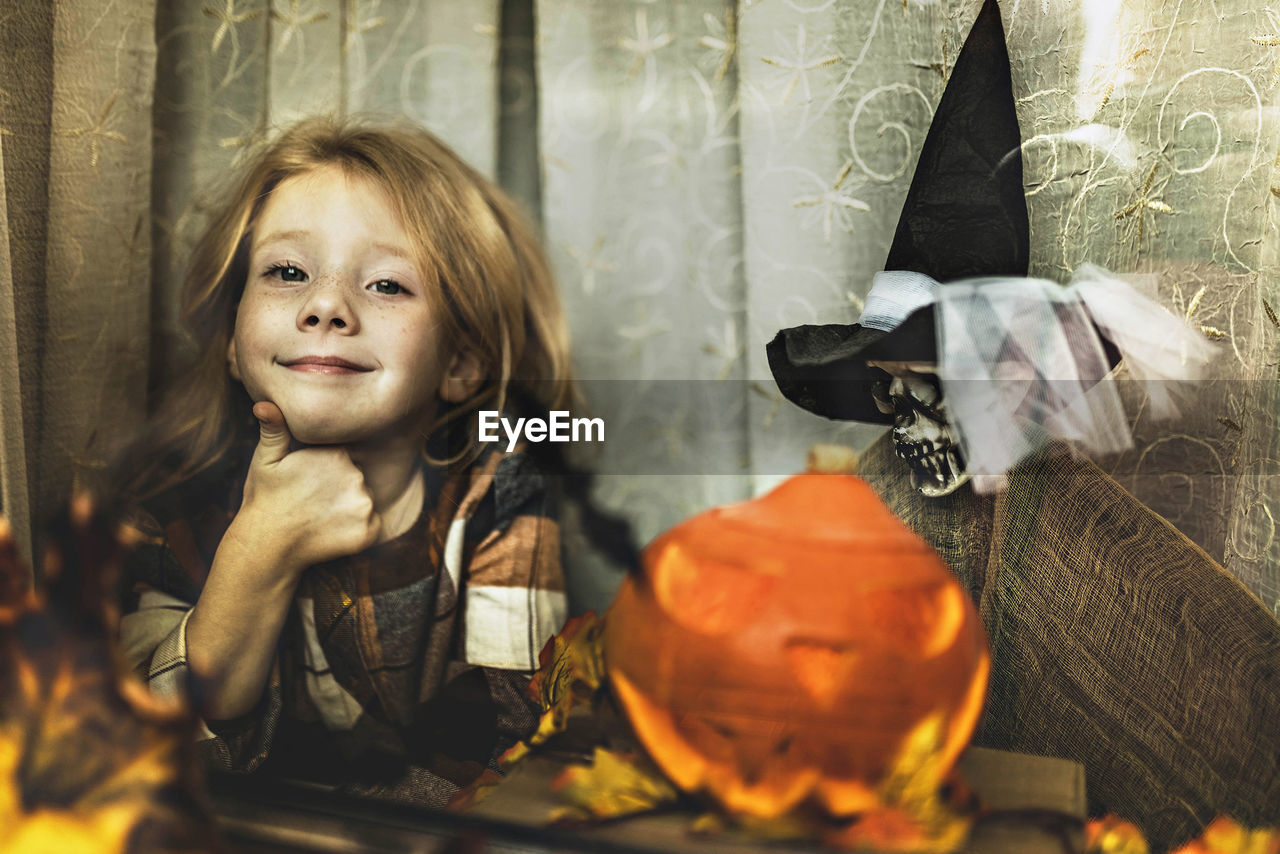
column 1021, row 362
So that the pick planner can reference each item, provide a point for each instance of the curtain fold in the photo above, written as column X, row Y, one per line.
column 25, row 107
column 210, row 104
column 94, row 359
column 76, row 128
column 15, row 453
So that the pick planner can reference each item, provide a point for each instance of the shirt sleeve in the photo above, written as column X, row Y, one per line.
column 153, row 638
column 514, row 591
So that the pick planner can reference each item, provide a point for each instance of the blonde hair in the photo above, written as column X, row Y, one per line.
column 482, row 265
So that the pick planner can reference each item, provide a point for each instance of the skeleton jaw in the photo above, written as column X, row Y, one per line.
column 935, row 470
column 922, row 435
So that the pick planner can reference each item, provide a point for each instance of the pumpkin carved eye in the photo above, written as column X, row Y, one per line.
column 708, row 596
column 921, row 622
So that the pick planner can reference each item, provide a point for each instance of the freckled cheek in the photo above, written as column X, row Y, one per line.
column 257, row 337
column 260, row 313
column 418, row 361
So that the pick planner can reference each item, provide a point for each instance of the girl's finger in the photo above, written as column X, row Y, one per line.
column 273, row 436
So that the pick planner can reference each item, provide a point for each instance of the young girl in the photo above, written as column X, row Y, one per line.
column 344, row 581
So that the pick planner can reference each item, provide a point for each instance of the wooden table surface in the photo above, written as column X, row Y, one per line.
column 1040, row 804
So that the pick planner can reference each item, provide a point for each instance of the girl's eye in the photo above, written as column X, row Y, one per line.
column 287, row 273
column 386, row 287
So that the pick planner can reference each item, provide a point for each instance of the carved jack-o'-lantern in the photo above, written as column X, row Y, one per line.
column 782, row 649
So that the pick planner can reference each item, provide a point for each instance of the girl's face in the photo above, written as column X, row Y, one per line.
column 334, row 326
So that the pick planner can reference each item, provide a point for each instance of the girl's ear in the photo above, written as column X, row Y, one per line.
column 232, row 363
column 462, row 378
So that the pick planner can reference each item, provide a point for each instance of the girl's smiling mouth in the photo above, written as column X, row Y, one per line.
column 324, row 365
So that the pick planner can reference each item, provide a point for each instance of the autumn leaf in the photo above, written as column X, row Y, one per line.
column 89, row 761
column 1113, row 835
column 514, row 754
column 571, row 661
column 570, row 675
column 475, row 792
column 916, row 815
column 47, row 831
column 894, row 829
column 917, row 771
column 615, row 784
column 1225, row 836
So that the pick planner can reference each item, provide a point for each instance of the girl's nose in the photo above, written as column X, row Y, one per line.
column 327, row 307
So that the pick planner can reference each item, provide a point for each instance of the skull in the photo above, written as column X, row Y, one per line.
column 922, row 434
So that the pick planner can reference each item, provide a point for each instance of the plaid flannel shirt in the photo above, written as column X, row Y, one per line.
column 413, row 653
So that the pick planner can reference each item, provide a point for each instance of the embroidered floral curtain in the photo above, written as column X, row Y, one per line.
column 705, row 171
column 76, row 84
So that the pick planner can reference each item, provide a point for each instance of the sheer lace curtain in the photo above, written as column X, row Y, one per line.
column 705, row 171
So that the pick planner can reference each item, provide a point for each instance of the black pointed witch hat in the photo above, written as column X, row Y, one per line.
column 965, row 215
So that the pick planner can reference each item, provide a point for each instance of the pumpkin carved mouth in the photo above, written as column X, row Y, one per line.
column 748, row 764
column 821, row 668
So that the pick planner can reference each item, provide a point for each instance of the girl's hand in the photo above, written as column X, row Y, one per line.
column 306, row 506
column 300, row 508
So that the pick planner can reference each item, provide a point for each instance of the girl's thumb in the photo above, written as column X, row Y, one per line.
column 273, row 438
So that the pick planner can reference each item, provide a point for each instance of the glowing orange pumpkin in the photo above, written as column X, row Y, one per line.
column 782, row 649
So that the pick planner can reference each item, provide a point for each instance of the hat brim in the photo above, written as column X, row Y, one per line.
column 824, row 368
